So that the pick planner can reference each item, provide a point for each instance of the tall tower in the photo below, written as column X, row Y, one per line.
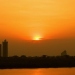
column 0, row 50
column 5, row 48
column 64, row 53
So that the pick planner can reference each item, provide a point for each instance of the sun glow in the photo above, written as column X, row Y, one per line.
column 30, row 19
column 37, row 38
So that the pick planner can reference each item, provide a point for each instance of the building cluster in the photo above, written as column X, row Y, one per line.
column 4, row 49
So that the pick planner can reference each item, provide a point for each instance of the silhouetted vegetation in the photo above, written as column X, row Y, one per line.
column 37, row 62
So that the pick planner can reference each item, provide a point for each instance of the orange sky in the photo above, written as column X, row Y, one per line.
column 45, row 18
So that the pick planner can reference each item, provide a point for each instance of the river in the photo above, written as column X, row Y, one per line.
column 40, row 71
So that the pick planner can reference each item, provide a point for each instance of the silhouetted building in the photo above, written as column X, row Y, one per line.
column 64, row 53
column 23, row 56
column 0, row 50
column 5, row 48
column 15, row 56
column 44, row 56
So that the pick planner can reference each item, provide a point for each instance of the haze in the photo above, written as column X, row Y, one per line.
column 22, row 20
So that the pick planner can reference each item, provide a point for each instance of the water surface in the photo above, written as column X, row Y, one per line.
column 40, row 71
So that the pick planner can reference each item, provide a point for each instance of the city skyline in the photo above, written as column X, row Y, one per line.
column 37, row 37
column 5, row 49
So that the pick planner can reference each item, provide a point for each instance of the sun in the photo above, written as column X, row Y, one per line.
column 37, row 38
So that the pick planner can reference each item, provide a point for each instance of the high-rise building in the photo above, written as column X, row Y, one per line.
column 64, row 53
column 0, row 50
column 5, row 48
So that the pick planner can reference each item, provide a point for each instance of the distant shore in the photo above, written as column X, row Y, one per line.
column 37, row 62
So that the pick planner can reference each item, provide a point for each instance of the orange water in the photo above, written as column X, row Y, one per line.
column 50, row 71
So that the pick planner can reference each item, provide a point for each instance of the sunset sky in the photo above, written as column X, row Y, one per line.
column 29, row 19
